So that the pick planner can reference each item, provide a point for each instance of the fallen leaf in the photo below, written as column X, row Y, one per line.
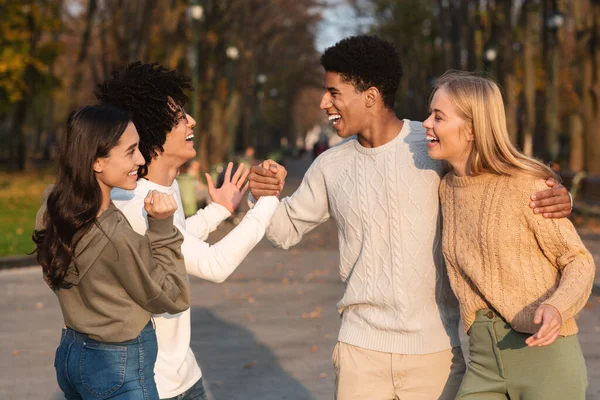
column 250, row 365
column 316, row 313
column 323, row 375
column 314, row 348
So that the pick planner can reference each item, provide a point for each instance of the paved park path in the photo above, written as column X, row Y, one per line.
column 265, row 334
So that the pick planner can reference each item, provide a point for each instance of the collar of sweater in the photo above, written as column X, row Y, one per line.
column 379, row 149
column 470, row 180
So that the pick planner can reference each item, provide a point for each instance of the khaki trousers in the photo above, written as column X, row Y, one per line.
column 363, row 374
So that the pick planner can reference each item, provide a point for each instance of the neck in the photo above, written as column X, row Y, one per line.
column 105, row 198
column 162, row 172
column 382, row 130
column 461, row 168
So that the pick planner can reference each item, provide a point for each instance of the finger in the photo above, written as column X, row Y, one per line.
column 557, row 191
column 273, row 168
column 148, row 198
column 549, row 209
column 228, row 172
column 562, row 200
column 542, row 333
column 245, row 188
column 264, row 180
column 557, row 215
column 260, row 171
column 158, row 201
column 172, row 202
column 537, row 317
column 241, row 181
column 264, row 186
column 209, row 182
column 552, row 182
column 237, row 174
column 551, row 338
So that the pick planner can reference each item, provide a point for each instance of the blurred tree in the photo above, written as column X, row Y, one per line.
column 27, row 53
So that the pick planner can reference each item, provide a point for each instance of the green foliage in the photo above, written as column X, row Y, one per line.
column 27, row 48
column 20, row 198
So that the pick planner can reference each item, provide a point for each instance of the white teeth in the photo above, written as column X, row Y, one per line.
column 189, row 137
column 133, row 173
column 334, row 117
column 431, row 139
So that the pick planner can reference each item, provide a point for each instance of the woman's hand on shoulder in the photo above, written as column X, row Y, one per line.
column 160, row 205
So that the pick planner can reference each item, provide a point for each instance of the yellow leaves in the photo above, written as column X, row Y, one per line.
column 315, row 314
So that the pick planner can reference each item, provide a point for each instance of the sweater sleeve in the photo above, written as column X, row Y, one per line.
column 206, row 220
column 217, row 262
column 563, row 247
column 152, row 269
column 303, row 211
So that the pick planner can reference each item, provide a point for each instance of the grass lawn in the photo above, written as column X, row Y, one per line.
column 20, row 198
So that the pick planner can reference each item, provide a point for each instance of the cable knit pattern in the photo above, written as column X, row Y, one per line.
column 500, row 254
column 385, row 204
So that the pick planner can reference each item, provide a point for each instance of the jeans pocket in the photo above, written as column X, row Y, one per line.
column 58, row 353
column 102, row 367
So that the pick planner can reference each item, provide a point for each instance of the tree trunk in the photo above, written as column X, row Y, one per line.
column 529, row 94
column 593, row 98
column 576, row 156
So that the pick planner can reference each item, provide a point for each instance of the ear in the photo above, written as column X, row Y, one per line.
column 372, row 94
column 98, row 165
column 469, row 133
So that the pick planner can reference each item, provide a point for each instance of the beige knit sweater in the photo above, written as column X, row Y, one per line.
column 500, row 254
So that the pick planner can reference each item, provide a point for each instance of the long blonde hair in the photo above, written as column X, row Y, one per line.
column 479, row 102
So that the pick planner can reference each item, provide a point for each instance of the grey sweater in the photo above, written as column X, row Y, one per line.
column 123, row 277
column 385, row 203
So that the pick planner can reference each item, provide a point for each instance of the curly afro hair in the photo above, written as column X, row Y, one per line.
column 366, row 61
column 153, row 96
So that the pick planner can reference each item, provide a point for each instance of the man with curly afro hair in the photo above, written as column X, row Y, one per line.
column 399, row 318
column 154, row 97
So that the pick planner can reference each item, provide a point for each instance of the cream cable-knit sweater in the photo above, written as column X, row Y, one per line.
column 501, row 255
column 385, row 204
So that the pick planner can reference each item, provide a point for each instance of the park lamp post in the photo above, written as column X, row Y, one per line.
column 196, row 12
column 232, row 53
column 554, row 22
column 489, row 56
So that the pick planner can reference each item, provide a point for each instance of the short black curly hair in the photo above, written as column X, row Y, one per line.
column 147, row 92
column 366, row 61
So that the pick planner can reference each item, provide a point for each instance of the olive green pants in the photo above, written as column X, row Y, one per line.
column 502, row 366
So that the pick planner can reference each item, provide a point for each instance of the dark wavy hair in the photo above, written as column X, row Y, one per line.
column 76, row 197
column 148, row 92
column 366, row 61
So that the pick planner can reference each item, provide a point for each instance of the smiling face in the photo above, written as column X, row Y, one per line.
column 179, row 145
column 345, row 106
column 120, row 168
column 449, row 135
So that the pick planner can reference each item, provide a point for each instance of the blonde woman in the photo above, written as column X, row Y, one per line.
column 520, row 278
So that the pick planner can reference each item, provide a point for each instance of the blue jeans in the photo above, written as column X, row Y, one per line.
column 196, row 392
column 88, row 369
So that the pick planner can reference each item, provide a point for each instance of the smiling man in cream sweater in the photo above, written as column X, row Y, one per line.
column 399, row 318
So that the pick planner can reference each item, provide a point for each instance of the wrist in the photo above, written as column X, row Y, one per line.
column 571, row 199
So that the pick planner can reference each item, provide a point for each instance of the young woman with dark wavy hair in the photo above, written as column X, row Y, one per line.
column 108, row 279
